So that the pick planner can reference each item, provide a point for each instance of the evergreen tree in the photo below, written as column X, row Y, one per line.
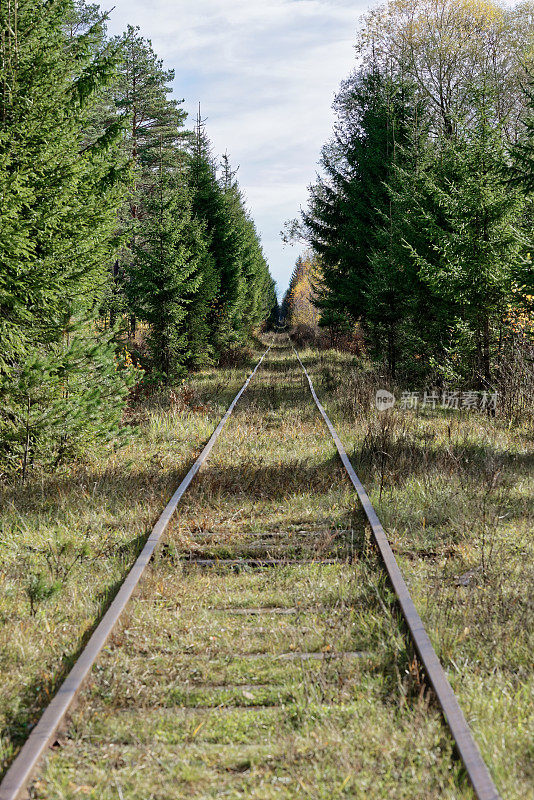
column 271, row 310
column 521, row 169
column 248, row 281
column 235, row 276
column 166, row 272
column 61, row 188
column 420, row 240
column 230, row 248
column 206, row 204
column 154, row 134
column 109, row 209
column 349, row 205
column 397, row 308
column 471, row 247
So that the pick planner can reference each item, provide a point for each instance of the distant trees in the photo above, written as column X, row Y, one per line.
column 421, row 217
column 238, row 290
column 166, row 272
column 191, row 265
column 111, row 216
column 298, row 306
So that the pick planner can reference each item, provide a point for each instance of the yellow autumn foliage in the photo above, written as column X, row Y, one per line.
column 449, row 46
column 305, row 278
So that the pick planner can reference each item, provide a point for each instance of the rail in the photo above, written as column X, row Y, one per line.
column 466, row 746
column 21, row 770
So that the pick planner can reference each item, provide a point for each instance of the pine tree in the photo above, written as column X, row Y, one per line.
column 349, row 204
column 396, row 299
column 166, row 272
column 471, row 246
column 247, row 273
column 521, row 168
column 154, row 133
column 271, row 310
column 230, row 246
column 217, row 207
column 420, row 217
column 61, row 186
column 110, row 209
column 205, row 207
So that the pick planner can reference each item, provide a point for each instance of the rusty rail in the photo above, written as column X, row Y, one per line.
column 19, row 774
column 465, row 744
column 21, row 770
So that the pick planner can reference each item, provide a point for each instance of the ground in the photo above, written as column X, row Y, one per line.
column 295, row 679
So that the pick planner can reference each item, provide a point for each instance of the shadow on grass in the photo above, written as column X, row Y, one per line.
column 283, row 365
column 109, row 489
column 268, row 397
column 403, row 460
column 261, row 482
column 37, row 694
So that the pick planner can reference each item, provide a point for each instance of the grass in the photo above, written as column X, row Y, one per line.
column 69, row 540
column 295, row 680
column 455, row 493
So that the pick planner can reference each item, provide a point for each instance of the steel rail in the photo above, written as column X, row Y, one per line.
column 21, row 770
column 466, row 746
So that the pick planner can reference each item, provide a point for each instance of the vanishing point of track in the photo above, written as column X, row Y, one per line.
column 24, row 766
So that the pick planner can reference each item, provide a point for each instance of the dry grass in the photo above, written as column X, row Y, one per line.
column 67, row 541
column 455, row 493
column 203, row 692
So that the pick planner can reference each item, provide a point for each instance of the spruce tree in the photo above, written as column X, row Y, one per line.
column 348, row 206
column 166, row 272
column 214, row 210
column 469, row 247
column 154, row 133
column 61, row 188
column 521, row 168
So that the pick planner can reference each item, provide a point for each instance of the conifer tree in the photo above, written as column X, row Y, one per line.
column 521, row 169
column 154, row 133
column 248, row 273
column 106, row 209
column 471, row 232
column 349, row 204
column 61, row 188
column 420, row 217
column 217, row 204
column 166, row 271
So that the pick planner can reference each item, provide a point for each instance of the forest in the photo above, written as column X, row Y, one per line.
column 238, row 558
column 128, row 256
column 419, row 225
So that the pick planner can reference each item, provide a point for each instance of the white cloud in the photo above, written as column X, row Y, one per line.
column 266, row 72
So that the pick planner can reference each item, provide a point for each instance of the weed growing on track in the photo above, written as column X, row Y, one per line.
column 281, row 682
column 454, row 490
column 193, row 698
column 67, row 542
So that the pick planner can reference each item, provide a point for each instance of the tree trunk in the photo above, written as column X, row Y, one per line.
column 486, row 350
column 392, row 353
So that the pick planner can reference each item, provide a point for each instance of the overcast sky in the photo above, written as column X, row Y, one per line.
column 266, row 72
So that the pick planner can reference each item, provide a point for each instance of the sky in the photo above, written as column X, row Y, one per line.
column 265, row 73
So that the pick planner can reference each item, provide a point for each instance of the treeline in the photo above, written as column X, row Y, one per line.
column 117, row 228
column 422, row 217
column 298, row 307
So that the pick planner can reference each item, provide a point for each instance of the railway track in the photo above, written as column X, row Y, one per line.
column 265, row 636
